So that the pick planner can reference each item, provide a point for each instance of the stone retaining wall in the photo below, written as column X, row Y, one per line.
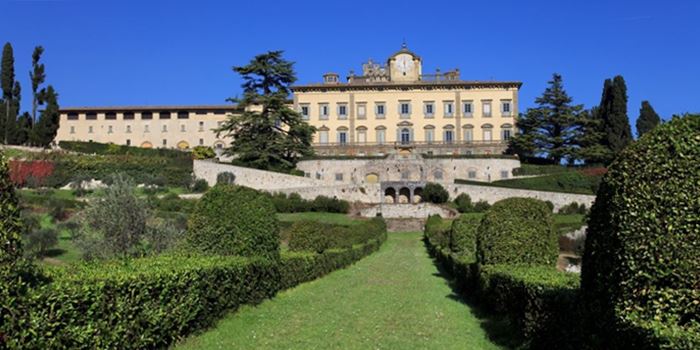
column 494, row 194
column 253, row 178
column 406, row 211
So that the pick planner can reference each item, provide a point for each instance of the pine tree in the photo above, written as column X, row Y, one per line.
column 551, row 127
column 7, row 82
column 613, row 113
column 276, row 136
column 648, row 119
column 47, row 126
column 589, row 138
column 37, row 76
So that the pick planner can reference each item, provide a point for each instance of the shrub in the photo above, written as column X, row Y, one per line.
column 162, row 235
column 200, row 186
column 641, row 270
column 57, row 209
column 437, row 231
column 481, row 206
column 203, row 152
column 115, row 225
column 38, row 241
column 10, row 223
column 435, row 193
column 234, row 220
column 550, row 205
column 517, row 231
column 307, row 235
column 226, row 177
column 463, row 236
column 573, row 208
column 464, row 203
column 293, row 203
column 32, row 173
column 330, row 205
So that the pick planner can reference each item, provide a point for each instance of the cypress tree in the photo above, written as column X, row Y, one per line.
column 37, row 76
column 648, row 119
column 46, row 127
column 24, row 129
column 617, row 133
column 11, row 126
column 7, row 82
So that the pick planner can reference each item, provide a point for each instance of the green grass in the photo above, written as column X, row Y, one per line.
column 327, row 218
column 65, row 252
column 393, row 299
column 565, row 223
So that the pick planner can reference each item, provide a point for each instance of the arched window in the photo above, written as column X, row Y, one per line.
column 487, row 130
column 448, row 133
column 405, row 136
column 506, row 132
column 468, row 131
column 361, row 132
column 429, row 133
column 380, row 134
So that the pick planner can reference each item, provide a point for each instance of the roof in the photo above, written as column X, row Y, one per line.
column 469, row 84
column 150, row 108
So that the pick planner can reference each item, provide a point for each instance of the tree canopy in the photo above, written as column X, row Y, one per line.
column 648, row 119
column 268, row 134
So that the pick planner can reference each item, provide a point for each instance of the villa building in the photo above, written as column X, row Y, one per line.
column 390, row 108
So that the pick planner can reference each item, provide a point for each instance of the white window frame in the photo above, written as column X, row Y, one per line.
column 361, row 111
column 468, row 109
column 405, row 113
column 323, row 111
column 484, row 112
column 429, row 135
column 376, row 110
column 506, row 108
column 343, row 137
column 431, row 113
column 381, row 136
column 304, row 111
column 450, row 132
column 323, row 137
column 342, row 111
column 448, row 108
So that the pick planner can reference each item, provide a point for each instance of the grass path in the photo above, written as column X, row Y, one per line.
column 393, row 299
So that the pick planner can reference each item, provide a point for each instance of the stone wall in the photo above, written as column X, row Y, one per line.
column 494, row 194
column 413, row 168
column 253, row 178
column 407, row 211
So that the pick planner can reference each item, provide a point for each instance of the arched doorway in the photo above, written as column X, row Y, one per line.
column 390, row 195
column 404, row 195
column 146, row 144
column 372, row 178
column 418, row 195
column 183, row 145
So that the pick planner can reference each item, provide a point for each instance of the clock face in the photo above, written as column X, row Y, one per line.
column 404, row 63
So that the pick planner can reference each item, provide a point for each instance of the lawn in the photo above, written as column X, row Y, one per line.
column 328, row 218
column 393, row 299
column 65, row 252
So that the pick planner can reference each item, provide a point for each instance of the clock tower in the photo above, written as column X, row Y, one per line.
column 404, row 66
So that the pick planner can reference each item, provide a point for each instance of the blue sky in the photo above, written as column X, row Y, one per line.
column 157, row 52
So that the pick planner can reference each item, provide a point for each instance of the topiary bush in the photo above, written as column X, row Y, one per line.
column 517, row 231
column 311, row 236
column 437, row 231
column 435, row 193
column 234, row 220
column 641, row 263
column 463, row 236
column 464, row 203
column 200, row 186
column 481, row 206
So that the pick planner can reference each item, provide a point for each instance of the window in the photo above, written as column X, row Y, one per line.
column 468, row 109
column 405, row 136
column 361, row 111
column 72, row 116
column 128, row 129
column 72, row 129
column 200, row 112
column 323, row 136
column 219, row 112
column 304, row 110
column 380, row 110
column 183, row 128
column 91, row 116
column 429, row 135
column 429, row 109
column 165, row 142
column 146, row 115
column 183, row 115
column 90, row 129
column 505, row 134
column 109, row 129
column 468, row 135
column 505, row 108
column 201, row 142
column 323, row 111
column 486, row 108
column 449, row 109
column 471, row 174
column 164, row 115
column 342, row 137
column 361, row 136
column 338, row 176
column 487, row 135
column 201, row 126
column 128, row 115
column 449, row 136
column 111, row 116
column 504, row 174
column 405, row 109
column 342, row 111
column 165, row 128
column 145, row 128
column 381, row 136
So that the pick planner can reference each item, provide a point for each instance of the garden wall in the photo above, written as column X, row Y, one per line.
column 495, row 194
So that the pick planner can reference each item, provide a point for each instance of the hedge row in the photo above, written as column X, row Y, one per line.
column 540, row 301
column 293, row 203
column 311, row 236
column 568, row 182
column 152, row 302
column 114, row 149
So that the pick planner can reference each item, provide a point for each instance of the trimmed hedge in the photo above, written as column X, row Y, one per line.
column 437, row 230
column 463, row 236
column 234, row 220
column 567, row 182
column 151, row 302
column 293, row 203
column 311, row 236
column 641, row 263
column 517, row 231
